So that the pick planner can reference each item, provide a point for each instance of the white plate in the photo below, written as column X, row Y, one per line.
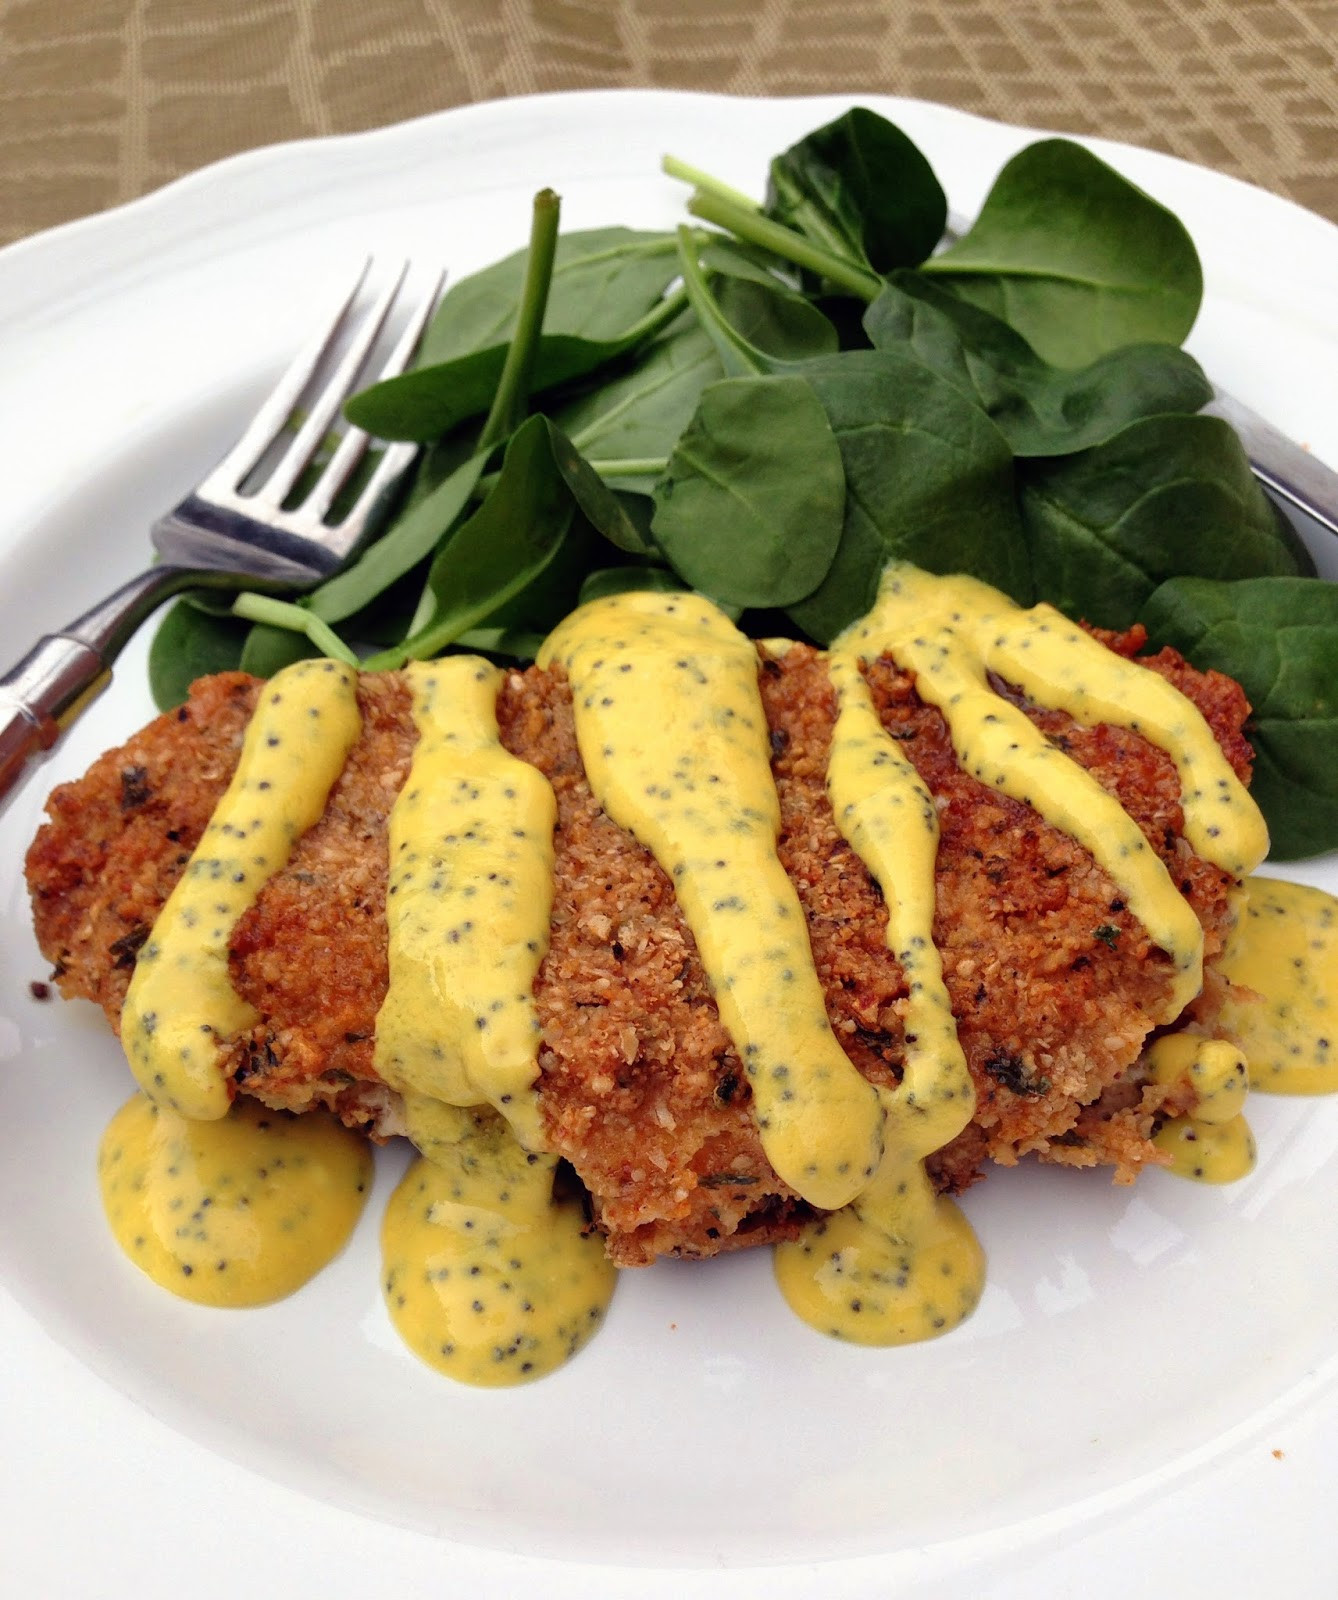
column 1139, row 1355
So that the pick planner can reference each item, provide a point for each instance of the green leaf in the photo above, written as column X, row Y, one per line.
column 1278, row 637
column 1075, row 257
column 602, row 507
column 604, row 581
column 724, row 256
column 750, row 507
column 860, row 188
column 517, row 644
column 1042, row 410
column 929, row 479
column 604, row 280
column 508, row 542
column 756, row 325
column 762, row 305
column 269, row 649
column 411, row 537
column 191, row 644
column 641, row 412
column 780, row 323
column 542, row 602
column 1166, row 497
column 430, row 401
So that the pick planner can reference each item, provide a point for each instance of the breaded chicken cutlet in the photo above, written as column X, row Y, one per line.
column 1053, row 983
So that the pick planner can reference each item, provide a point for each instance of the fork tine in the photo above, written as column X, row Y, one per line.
column 354, row 442
column 325, row 407
column 388, row 468
column 266, row 425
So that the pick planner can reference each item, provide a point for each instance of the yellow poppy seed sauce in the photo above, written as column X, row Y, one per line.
column 899, row 1263
column 1284, row 950
column 674, row 740
column 1213, row 1144
column 953, row 632
column 238, row 1211
column 232, row 1205
column 486, row 1274
column 467, row 904
column 181, row 1006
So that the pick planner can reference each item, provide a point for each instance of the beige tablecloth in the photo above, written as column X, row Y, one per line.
column 101, row 100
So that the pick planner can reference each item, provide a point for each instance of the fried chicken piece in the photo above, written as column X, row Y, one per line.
column 1053, row 983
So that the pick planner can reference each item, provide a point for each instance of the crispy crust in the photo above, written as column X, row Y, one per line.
column 640, row 1087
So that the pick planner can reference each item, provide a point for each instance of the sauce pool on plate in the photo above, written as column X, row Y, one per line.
column 238, row 1211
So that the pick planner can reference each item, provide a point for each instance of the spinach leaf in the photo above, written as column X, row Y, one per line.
column 603, row 581
column 750, row 506
column 189, row 644
column 861, row 189
column 721, row 255
column 639, row 509
column 1165, row 497
column 604, row 280
column 603, row 508
column 929, row 478
column 1278, row 637
column 605, row 296
column 1075, row 257
column 515, row 644
column 509, row 541
column 756, row 326
column 639, row 414
column 431, row 400
column 411, row 538
column 1041, row 410
column 776, row 321
column 553, row 590
column 269, row 649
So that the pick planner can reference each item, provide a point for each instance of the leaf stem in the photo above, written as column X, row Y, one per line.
column 659, row 316
column 513, row 387
column 296, row 619
column 737, row 356
column 751, row 226
column 630, row 466
column 706, row 183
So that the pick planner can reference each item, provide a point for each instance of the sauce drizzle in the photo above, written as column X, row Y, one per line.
column 899, row 1263
column 671, row 729
column 952, row 632
column 487, row 1275
column 1213, row 1144
column 181, row 1006
column 471, row 887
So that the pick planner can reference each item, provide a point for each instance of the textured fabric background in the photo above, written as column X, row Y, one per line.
column 101, row 100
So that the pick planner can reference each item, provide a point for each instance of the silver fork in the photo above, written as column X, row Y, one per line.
column 220, row 537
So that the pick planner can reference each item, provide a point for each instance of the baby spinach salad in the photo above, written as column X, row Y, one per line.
column 774, row 399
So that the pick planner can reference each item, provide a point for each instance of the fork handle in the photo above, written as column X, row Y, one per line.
column 43, row 693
